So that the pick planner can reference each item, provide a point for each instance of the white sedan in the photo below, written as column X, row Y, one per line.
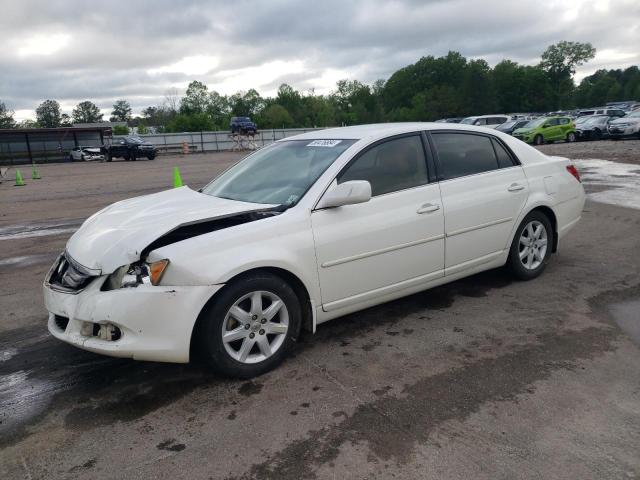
column 305, row 230
column 86, row 154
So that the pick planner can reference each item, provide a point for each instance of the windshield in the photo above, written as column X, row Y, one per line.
column 468, row 120
column 278, row 174
column 134, row 140
column 594, row 120
column 535, row 123
column 634, row 114
column 507, row 125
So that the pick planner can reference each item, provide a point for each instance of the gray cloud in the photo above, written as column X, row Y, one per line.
column 123, row 49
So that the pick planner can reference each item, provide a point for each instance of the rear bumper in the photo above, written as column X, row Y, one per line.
column 155, row 323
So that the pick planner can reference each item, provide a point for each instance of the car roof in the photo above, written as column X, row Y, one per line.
column 381, row 130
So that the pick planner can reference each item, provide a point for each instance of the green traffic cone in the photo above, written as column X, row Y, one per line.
column 19, row 180
column 177, row 179
column 35, row 175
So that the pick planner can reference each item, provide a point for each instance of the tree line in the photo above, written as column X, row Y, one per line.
column 431, row 88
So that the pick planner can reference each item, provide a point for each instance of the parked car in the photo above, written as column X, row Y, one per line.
column 130, row 147
column 85, row 154
column 242, row 125
column 307, row 229
column 592, row 127
column 547, row 129
column 625, row 127
column 450, row 120
column 511, row 125
column 611, row 112
column 491, row 121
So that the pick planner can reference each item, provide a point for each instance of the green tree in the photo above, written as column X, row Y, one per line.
column 65, row 120
column 198, row 122
column 142, row 129
column 196, row 99
column 6, row 117
column 560, row 62
column 48, row 114
column 121, row 111
column 246, row 104
column 86, row 112
column 120, row 130
column 218, row 109
column 276, row 116
column 28, row 123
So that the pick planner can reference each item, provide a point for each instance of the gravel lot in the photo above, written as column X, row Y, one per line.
column 484, row 378
column 626, row 151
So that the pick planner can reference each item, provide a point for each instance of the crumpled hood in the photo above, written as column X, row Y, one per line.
column 116, row 235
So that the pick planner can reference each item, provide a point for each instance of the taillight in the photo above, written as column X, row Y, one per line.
column 574, row 171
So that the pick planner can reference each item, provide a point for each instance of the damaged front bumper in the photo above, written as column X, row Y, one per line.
column 144, row 323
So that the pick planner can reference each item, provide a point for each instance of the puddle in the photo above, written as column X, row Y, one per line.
column 627, row 316
column 14, row 232
column 611, row 182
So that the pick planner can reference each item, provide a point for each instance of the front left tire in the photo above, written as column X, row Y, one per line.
column 571, row 137
column 249, row 328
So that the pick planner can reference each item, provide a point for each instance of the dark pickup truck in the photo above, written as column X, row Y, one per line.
column 130, row 148
column 242, row 125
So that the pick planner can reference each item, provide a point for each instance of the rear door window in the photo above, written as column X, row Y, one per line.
column 462, row 154
column 504, row 159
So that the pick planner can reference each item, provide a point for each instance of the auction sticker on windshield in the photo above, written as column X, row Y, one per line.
column 324, row 143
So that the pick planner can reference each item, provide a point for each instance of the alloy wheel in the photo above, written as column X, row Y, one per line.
column 255, row 327
column 532, row 246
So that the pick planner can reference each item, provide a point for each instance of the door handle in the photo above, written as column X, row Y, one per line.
column 428, row 208
column 515, row 187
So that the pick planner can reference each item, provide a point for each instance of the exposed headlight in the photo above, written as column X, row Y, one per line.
column 139, row 273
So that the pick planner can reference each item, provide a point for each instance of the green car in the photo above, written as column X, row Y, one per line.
column 547, row 129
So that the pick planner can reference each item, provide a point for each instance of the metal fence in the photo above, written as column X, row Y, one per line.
column 214, row 141
column 49, row 148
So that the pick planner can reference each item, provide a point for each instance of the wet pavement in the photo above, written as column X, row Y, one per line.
column 482, row 378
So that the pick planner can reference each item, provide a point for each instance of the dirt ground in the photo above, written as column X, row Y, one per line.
column 484, row 378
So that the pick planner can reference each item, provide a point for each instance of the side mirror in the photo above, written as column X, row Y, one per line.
column 347, row 193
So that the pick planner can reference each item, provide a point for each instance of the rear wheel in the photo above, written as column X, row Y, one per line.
column 250, row 327
column 538, row 140
column 571, row 137
column 531, row 246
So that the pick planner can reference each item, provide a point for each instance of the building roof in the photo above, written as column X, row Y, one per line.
column 103, row 127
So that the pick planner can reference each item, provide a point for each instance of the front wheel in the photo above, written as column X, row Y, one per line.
column 531, row 246
column 571, row 137
column 538, row 140
column 151, row 157
column 250, row 327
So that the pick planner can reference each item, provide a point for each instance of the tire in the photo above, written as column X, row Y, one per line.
column 538, row 140
column 571, row 137
column 126, row 157
column 523, row 261
column 151, row 157
column 248, row 339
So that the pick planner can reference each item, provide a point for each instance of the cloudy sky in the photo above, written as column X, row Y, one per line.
column 137, row 49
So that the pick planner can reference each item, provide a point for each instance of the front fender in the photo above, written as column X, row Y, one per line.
column 284, row 241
